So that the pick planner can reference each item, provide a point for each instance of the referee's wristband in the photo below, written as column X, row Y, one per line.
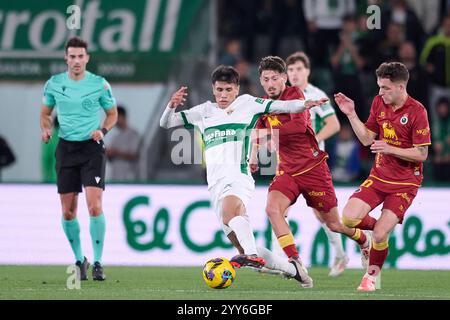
column 104, row 131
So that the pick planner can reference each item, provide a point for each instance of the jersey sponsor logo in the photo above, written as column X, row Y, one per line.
column 317, row 193
column 423, row 132
column 274, row 121
column 259, row 100
column 389, row 131
column 219, row 134
column 404, row 119
column 389, row 134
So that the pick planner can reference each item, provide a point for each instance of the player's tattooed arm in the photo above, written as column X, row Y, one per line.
column 423, row 151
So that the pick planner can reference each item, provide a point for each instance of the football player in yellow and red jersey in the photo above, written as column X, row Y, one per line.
column 302, row 167
column 399, row 133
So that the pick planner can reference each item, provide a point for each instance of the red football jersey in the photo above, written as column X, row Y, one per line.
column 406, row 127
column 298, row 151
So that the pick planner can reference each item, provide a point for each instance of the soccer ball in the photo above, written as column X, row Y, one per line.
column 218, row 273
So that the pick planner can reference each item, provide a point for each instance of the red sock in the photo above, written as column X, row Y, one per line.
column 376, row 260
column 291, row 251
column 287, row 242
column 359, row 237
column 367, row 223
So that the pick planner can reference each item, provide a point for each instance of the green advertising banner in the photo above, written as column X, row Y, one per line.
column 135, row 40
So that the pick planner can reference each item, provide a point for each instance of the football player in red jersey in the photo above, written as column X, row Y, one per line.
column 301, row 168
column 398, row 133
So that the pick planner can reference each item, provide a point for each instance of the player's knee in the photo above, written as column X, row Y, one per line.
column 273, row 212
column 349, row 222
column 379, row 236
column 95, row 210
column 69, row 215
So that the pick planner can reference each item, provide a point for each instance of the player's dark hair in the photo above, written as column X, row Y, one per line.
column 226, row 74
column 298, row 56
column 76, row 42
column 394, row 71
column 273, row 63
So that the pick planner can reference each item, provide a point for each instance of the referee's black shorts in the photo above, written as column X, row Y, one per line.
column 80, row 163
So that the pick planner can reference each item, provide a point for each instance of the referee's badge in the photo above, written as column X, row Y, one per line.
column 404, row 119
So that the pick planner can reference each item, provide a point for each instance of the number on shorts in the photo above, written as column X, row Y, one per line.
column 367, row 183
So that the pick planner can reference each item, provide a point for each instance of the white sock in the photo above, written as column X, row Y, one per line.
column 244, row 234
column 276, row 262
column 276, row 248
column 335, row 240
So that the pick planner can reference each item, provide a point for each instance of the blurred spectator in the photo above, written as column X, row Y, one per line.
column 435, row 59
column 435, row 55
column 388, row 49
column 346, row 63
column 346, row 156
column 48, row 150
column 418, row 78
column 232, row 54
column 246, row 85
column 324, row 20
column 123, row 151
column 427, row 12
column 399, row 13
column 287, row 19
column 441, row 140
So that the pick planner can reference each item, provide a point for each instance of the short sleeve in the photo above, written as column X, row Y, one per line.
column 107, row 100
column 421, row 129
column 48, row 99
column 193, row 117
column 371, row 123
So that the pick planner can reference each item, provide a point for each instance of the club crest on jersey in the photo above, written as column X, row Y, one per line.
column 404, row 119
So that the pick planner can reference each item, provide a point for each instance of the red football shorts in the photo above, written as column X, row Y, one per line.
column 394, row 197
column 315, row 185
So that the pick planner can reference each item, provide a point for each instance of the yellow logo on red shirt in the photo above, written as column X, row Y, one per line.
column 389, row 134
column 274, row 121
column 389, row 131
column 423, row 132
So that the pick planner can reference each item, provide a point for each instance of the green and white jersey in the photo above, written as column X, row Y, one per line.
column 318, row 114
column 78, row 103
column 226, row 134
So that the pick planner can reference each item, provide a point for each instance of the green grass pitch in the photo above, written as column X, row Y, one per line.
column 175, row 283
